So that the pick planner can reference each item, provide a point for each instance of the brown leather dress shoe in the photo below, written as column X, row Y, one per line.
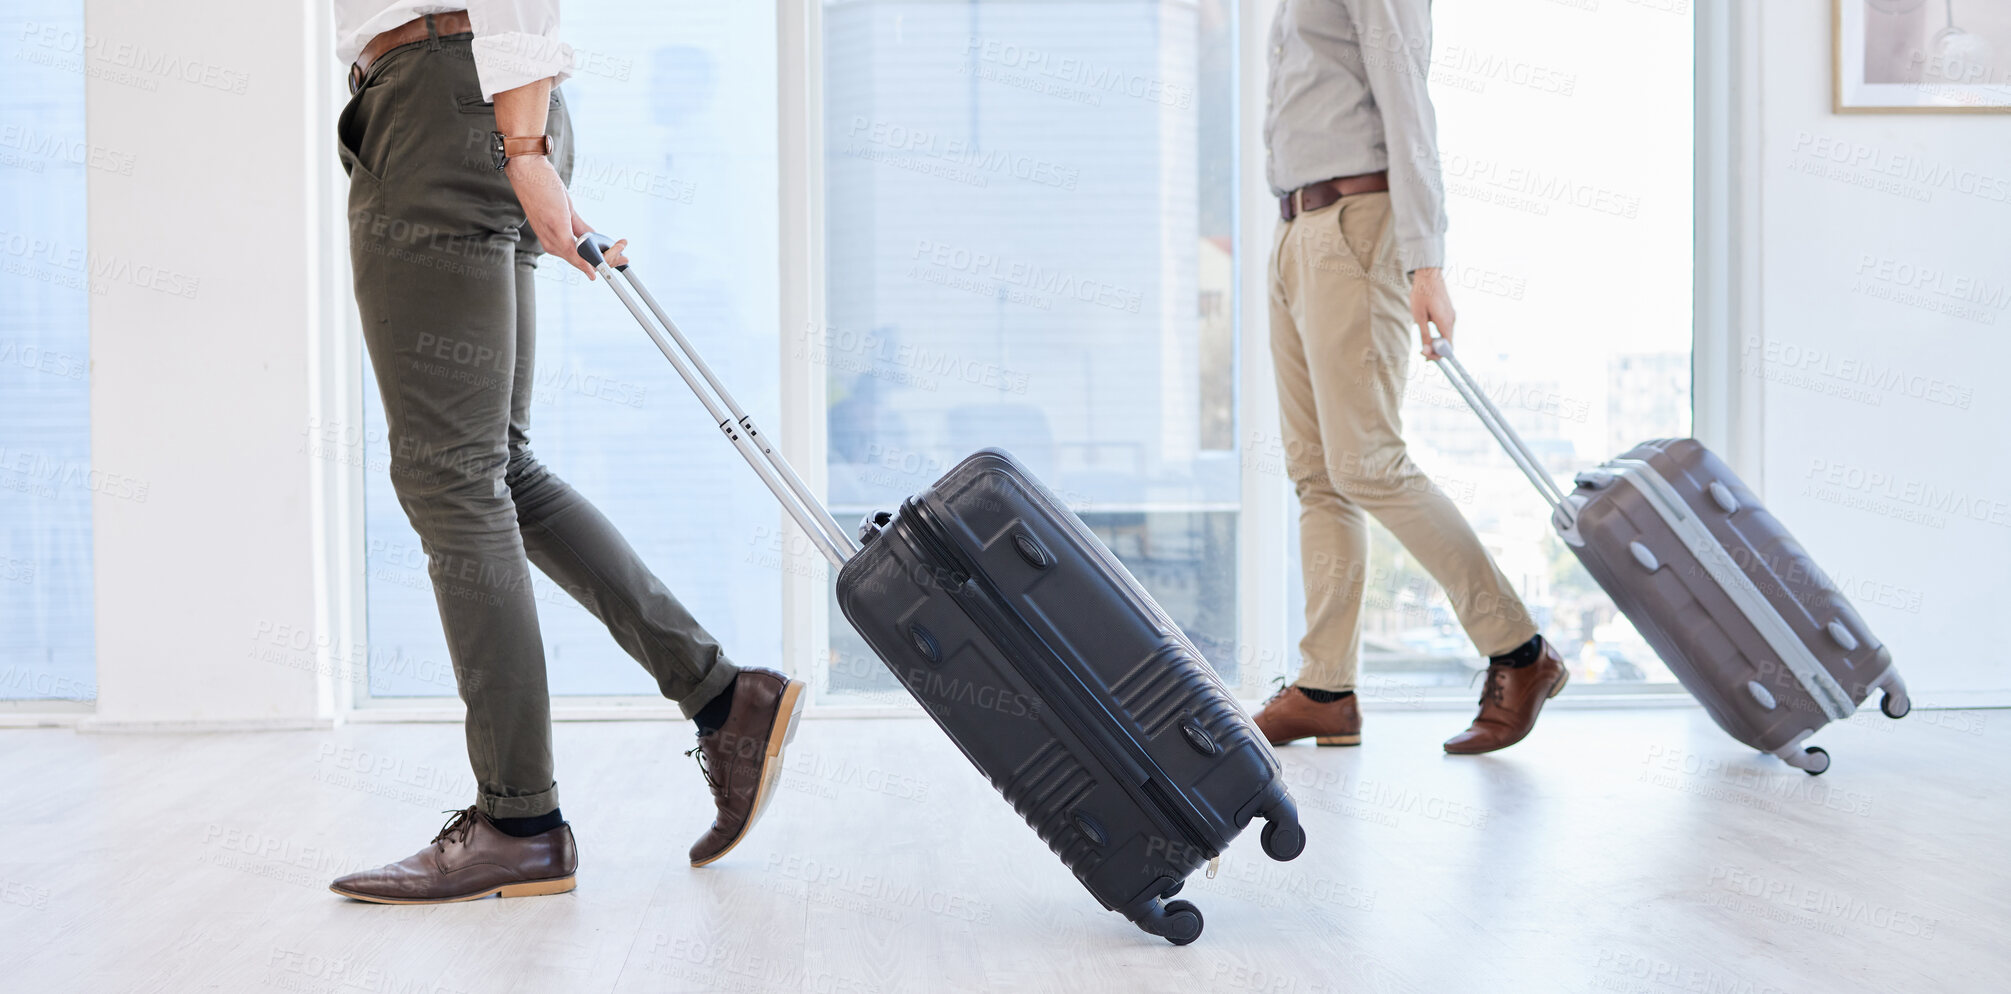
column 471, row 858
column 1290, row 715
column 1510, row 703
column 743, row 759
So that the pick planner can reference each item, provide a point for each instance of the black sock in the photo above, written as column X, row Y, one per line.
column 1522, row 655
column 1325, row 696
column 524, row 828
column 712, row 717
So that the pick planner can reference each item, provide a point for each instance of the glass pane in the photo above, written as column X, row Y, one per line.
column 1565, row 140
column 46, row 477
column 1030, row 217
column 673, row 106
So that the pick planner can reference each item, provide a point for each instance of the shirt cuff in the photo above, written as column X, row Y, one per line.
column 1427, row 252
column 514, row 58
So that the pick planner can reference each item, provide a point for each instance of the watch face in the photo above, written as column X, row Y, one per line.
column 496, row 150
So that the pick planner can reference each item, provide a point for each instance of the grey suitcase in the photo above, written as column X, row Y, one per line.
column 1739, row 612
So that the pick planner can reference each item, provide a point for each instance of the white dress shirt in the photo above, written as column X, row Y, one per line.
column 516, row 41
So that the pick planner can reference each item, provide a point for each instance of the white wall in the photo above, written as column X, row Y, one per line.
column 1906, row 500
column 202, row 359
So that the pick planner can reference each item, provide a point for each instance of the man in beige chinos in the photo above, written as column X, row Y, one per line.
column 1352, row 154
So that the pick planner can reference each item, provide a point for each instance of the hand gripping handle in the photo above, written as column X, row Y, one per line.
column 591, row 246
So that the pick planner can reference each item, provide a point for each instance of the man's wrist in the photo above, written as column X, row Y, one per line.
column 534, row 168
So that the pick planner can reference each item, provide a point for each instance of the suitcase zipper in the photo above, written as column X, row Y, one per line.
column 1018, row 634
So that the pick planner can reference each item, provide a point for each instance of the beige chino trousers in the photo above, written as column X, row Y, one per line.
column 1341, row 341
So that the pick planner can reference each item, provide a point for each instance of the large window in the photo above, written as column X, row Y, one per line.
column 1029, row 216
column 1565, row 135
column 1031, row 236
column 46, row 479
column 673, row 106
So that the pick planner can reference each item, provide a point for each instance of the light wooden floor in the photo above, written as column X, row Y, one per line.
column 1616, row 851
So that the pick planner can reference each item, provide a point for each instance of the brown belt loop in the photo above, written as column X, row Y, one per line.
column 425, row 28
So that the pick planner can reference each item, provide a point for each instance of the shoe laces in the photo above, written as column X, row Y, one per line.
column 458, row 825
column 705, row 767
column 1283, row 686
column 1496, row 690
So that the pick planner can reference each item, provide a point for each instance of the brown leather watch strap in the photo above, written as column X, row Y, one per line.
column 535, row 145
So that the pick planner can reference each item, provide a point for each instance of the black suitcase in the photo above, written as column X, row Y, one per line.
column 1044, row 660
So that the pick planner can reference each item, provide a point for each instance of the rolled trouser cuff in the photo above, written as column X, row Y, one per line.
column 718, row 680
column 520, row 805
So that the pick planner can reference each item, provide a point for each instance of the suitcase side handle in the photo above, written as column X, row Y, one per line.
column 1518, row 450
column 775, row 472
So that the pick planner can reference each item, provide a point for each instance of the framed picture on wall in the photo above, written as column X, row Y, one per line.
column 1922, row 56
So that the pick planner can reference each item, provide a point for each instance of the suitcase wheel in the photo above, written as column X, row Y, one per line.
column 1178, row 922
column 1182, row 923
column 1895, row 705
column 1283, row 839
column 1815, row 761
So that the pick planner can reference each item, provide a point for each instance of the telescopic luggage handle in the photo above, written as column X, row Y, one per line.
column 1519, row 451
column 768, row 464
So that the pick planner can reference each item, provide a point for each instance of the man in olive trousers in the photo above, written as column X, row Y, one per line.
column 458, row 149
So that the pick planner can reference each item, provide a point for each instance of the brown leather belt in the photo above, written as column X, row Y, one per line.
column 1314, row 196
column 453, row 22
